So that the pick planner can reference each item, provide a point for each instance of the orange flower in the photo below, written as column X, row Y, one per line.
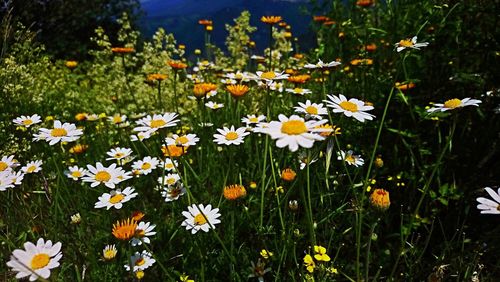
column 365, row 3
column 329, row 23
column 156, row 77
column 173, row 151
column 137, row 215
column 201, row 89
column 299, row 79
column 380, row 199
column 205, row 22
column 125, row 229
column 234, row 192
column 270, row 19
column 282, row 24
column 177, row 64
column 321, row 19
column 371, row 47
column 363, row 62
column 122, row 50
column 81, row 116
column 288, row 174
column 237, row 90
column 78, row 149
column 404, row 86
column 71, row 64
column 298, row 56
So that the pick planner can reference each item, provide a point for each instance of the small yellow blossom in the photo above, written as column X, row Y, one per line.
column 266, row 254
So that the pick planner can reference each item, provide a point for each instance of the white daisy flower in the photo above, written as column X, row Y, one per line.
column 213, row 105
column 239, row 76
column 311, row 109
column 8, row 163
column 228, row 81
column 173, row 193
column 211, row 94
column 118, row 153
column 253, row 119
column 17, row 177
column 170, row 164
column 410, row 43
column 109, row 176
column 140, row 261
column 454, row 104
column 488, row 206
column 169, row 179
column 352, row 108
column 142, row 232
column 140, row 136
column 185, row 140
column 230, row 136
column 294, row 132
column 275, row 86
column 200, row 217
column 117, row 118
column 150, row 124
column 35, row 260
column 146, row 165
column 270, row 76
column 32, row 167
column 350, row 158
column 27, row 121
column 321, row 65
column 115, row 198
column 7, row 180
column 75, row 172
column 92, row 117
column 66, row 132
column 298, row 91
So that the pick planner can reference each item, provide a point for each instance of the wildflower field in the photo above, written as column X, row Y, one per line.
column 372, row 156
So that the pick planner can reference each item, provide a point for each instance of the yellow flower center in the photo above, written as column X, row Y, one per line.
column 349, row 106
column 157, row 123
column 182, row 140
column 140, row 261
column 117, row 119
column 350, row 159
column 119, row 155
column 293, row 127
column 238, row 76
column 109, row 254
column 39, row 261
column 145, row 166
column 406, row 43
column 102, row 176
column 116, row 198
column 58, row 132
column 254, row 119
column 268, row 75
column 140, row 233
column 76, row 173
column 312, row 110
column 169, row 166
column 3, row 166
column 31, row 169
column 453, row 103
column 231, row 135
column 27, row 121
column 199, row 220
column 298, row 90
column 170, row 181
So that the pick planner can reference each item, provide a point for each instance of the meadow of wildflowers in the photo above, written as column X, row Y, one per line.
column 371, row 157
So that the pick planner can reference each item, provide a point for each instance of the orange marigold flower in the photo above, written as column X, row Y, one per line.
column 156, row 77
column 71, row 64
column 320, row 18
column 362, row 62
column 137, row 215
column 125, row 229
column 78, row 149
column 177, row 64
column 298, row 56
column 365, row 3
column 201, row 89
column 122, row 50
column 173, row 151
column 372, row 47
column 205, row 22
column 270, row 19
column 288, row 174
column 237, row 90
column 234, row 192
column 290, row 71
column 299, row 79
column 380, row 199
column 404, row 86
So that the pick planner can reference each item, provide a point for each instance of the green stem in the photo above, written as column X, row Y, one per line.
column 263, row 184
